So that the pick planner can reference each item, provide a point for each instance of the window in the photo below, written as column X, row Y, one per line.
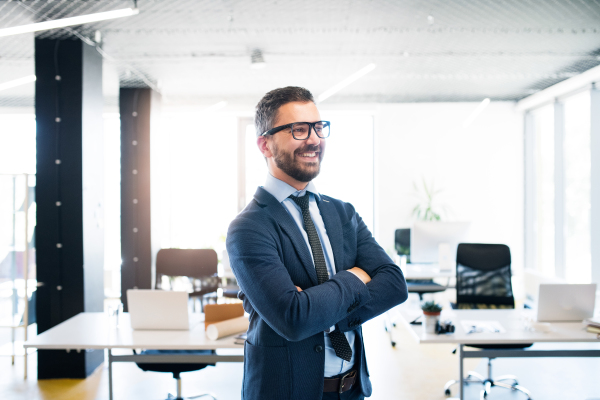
column 196, row 162
column 17, row 182
column 112, row 205
column 577, row 165
column 560, row 167
column 544, row 191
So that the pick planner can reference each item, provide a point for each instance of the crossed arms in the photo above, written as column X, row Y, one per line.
column 256, row 258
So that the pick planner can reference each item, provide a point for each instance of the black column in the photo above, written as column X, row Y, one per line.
column 69, row 195
column 136, row 108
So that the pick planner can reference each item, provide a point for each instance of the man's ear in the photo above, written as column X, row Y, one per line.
column 264, row 146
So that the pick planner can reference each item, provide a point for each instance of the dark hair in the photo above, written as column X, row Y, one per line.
column 268, row 106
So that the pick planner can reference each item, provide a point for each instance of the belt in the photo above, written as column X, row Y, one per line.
column 342, row 384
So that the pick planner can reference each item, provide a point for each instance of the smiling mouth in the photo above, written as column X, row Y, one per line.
column 313, row 154
column 309, row 154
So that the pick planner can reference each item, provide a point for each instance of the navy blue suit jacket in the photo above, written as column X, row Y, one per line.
column 284, row 352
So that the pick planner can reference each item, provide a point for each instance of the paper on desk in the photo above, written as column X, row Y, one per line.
column 482, row 327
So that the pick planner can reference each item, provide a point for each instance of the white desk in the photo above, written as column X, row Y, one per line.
column 514, row 321
column 93, row 331
column 419, row 272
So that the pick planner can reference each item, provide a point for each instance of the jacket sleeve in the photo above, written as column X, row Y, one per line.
column 256, row 260
column 387, row 287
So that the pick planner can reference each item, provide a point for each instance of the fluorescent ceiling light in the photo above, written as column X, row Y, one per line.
column 476, row 113
column 354, row 77
column 17, row 82
column 63, row 22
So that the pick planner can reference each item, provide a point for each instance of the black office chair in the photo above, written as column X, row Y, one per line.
column 198, row 265
column 483, row 281
column 201, row 266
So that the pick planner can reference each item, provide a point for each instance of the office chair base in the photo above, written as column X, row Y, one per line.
column 180, row 397
column 474, row 377
column 490, row 384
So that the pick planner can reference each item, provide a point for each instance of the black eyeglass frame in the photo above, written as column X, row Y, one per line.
column 311, row 128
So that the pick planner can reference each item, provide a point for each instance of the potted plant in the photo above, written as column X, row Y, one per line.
column 431, row 315
column 427, row 208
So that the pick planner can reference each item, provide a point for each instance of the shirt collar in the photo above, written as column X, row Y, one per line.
column 281, row 190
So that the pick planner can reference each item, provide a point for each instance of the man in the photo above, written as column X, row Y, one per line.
column 309, row 271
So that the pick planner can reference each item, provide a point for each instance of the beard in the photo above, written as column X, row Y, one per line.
column 302, row 172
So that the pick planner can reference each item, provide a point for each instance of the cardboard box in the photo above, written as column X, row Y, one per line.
column 221, row 312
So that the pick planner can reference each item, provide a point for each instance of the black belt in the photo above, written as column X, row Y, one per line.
column 342, row 384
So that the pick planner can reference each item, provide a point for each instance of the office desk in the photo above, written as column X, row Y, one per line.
column 94, row 331
column 419, row 272
column 514, row 322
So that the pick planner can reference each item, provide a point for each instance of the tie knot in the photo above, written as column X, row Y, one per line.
column 301, row 201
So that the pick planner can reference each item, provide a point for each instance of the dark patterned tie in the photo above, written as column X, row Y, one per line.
column 338, row 339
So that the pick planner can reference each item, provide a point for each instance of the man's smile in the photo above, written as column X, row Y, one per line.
column 309, row 155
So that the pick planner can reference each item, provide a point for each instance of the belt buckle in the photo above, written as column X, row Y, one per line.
column 342, row 380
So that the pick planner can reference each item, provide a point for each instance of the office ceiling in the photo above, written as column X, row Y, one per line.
column 437, row 50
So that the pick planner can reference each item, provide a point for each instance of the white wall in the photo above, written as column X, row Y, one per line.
column 480, row 168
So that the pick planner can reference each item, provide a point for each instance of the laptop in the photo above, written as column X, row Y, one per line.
column 158, row 309
column 565, row 302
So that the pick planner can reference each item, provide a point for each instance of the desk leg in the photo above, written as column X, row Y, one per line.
column 461, row 375
column 110, row 385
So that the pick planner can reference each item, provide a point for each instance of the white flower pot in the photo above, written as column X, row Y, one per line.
column 429, row 322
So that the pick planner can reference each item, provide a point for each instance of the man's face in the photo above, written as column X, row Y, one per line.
column 299, row 160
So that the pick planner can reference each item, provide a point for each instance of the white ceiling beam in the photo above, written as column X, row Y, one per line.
column 560, row 89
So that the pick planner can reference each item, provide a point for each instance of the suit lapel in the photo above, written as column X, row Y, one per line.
column 288, row 225
column 333, row 225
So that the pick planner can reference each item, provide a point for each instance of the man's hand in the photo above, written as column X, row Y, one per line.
column 362, row 275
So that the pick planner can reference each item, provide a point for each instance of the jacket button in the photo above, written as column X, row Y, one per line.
column 318, row 348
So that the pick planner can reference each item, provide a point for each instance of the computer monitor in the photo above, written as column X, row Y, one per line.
column 426, row 237
column 402, row 242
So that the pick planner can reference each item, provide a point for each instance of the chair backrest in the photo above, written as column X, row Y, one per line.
column 193, row 263
column 483, row 276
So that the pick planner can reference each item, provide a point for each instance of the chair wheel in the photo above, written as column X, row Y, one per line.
column 393, row 344
column 394, row 324
column 447, row 392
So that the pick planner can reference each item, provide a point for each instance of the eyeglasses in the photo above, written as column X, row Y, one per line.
column 302, row 130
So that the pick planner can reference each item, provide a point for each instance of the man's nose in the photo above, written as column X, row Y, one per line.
column 313, row 139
